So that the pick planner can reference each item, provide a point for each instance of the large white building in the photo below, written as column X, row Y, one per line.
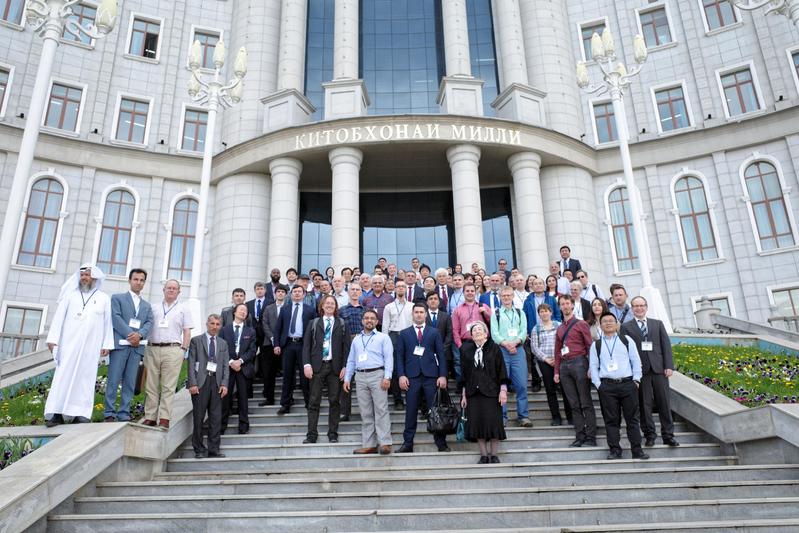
column 452, row 130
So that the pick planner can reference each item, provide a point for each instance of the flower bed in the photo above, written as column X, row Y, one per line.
column 15, row 448
column 22, row 404
column 747, row 375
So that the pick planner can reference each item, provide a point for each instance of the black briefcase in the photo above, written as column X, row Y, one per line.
column 444, row 414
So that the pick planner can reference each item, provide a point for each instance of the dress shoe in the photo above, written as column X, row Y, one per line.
column 649, row 442
column 163, row 423
column 556, row 422
column 264, row 403
column 109, row 419
column 483, row 460
column 244, row 431
column 570, row 421
column 576, row 444
column 365, row 451
column 309, row 440
column 493, row 459
column 399, row 404
column 671, row 442
column 590, row 442
column 526, row 423
column 640, row 454
column 216, row 454
column 445, row 448
column 332, row 439
column 385, row 449
column 52, row 422
column 536, row 387
column 200, row 455
column 345, row 418
column 283, row 411
column 406, row 448
column 614, row 455
column 150, row 423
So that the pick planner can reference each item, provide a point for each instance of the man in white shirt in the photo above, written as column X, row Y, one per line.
column 589, row 290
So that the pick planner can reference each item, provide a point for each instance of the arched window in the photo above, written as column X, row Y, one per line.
column 621, row 225
column 41, row 223
column 181, row 245
column 693, row 213
column 768, row 208
column 115, row 232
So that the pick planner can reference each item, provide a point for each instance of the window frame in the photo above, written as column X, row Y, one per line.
column 618, row 184
column 28, row 307
column 161, row 36
column 770, row 289
column 49, row 173
column 654, row 89
column 207, row 29
column 13, row 25
column 654, row 7
column 590, row 22
column 788, row 52
column 84, row 88
column 591, row 104
column 711, row 205
column 738, row 67
column 168, row 227
column 121, row 186
column 68, row 40
column 184, row 108
column 786, row 198
column 6, row 96
column 708, row 31
column 115, row 123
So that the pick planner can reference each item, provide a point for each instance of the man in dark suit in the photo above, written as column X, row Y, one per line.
column 443, row 290
column 325, row 348
column 241, row 341
column 208, row 379
column 272, row 286
column 567, row 263
column 582, row 307
column 238, row 297
column 654, row 347
column 414, row 293
column 267, row 359
column 422, row 366
column 288, row 335
column 443, row 322
column 256, row 308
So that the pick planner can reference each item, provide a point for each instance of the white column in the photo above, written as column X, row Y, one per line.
column 344, row 236
column 291, row 60
column 284, row 213
column 202, row 208
column 463, row 161
column 513, row 62
column 345, row 40
column 528, row 217
column 456, row 38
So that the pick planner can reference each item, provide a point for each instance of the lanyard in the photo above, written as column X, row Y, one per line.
column 399, row 309
column 611, row 348
column 87, row 300
column 471, row 309
column 166, row 311
column 513, row 316
column 366, row 344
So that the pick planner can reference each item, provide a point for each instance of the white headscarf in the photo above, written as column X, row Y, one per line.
column 73, row 282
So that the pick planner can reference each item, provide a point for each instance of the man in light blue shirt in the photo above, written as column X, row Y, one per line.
column 371, row 360
column 615, row 370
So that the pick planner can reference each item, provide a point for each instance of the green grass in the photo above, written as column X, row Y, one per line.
column 23, row 404
column 747, row 375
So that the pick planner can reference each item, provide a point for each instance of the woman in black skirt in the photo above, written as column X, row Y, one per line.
column 485, row 391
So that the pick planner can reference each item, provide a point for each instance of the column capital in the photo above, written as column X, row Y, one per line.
column 287, row 165
column 345, row 154
column 463, row 152
column 524, row 160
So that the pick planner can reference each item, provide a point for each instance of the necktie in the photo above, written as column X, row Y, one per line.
column 434, row 321
column 257, row 309
column 212, row 351
column 410, row 293
column 328, row 329
column 644, row 329
column 237, row 330
column 294, row 317
column 496, row 300
column 443, row 295
column 419, row 334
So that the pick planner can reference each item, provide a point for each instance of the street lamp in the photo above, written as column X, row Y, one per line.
column 788, row 8
column 616, row 79
column 49, row 19
column 212, row 94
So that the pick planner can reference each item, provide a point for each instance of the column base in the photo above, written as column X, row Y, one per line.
column 460, row 95
column 521, row 103
column 286, row 108
column 345, row 98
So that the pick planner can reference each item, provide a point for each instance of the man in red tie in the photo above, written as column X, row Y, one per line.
column 442, row 289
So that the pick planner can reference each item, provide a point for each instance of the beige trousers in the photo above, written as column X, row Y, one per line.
column 163, row 364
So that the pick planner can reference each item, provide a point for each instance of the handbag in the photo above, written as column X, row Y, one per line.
column 460, row 434
column 141, row 378
column 444, row 414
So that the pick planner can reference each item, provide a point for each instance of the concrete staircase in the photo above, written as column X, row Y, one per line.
column 270, row 481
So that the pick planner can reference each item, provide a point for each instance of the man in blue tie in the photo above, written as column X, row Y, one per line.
column 291, row 323
column 491, row 298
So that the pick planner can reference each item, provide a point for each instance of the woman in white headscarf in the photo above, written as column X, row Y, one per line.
column 485, row 391
column 81, row 332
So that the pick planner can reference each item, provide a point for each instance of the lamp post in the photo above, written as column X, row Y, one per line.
column 788, row 8
column 616, row 79
column 49, row 19
column 212, row 94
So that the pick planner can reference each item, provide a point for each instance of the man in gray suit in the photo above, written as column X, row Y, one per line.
column 208, row 378
column 267, row 360
column 132, row 319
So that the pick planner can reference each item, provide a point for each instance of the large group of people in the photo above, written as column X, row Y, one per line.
column 388, row 333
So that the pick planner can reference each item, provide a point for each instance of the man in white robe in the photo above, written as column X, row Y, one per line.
column 80, row 333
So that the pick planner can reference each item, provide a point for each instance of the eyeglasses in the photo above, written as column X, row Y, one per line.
column 580, row 277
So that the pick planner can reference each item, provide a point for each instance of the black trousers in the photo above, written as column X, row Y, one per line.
column 394, row 389
column 577, row 387
column 269, row 364
column 420, row 388
column 654, row 390
column 618, row 399
column 207, row 400
column 238, row 385
column 536, row 376
column 292, row 363
column 325, row 376
column 552, row 389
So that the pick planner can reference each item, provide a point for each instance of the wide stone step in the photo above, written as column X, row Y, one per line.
column 256, row 458
column 438, row 479
column 438, row 517
column 194, row 501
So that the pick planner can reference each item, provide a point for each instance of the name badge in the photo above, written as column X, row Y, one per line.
column 80, row 315
column 418, row 350
column 646, row 346
column 211, row 367
column 134, row 323
column 362, row 357
column 197, row 366
column 163, row 323
column 564, row 350
column 513, row 332
column 613, row 366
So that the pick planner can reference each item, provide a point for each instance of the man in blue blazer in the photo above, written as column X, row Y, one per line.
column 242, row 342
column 132, row 319
column 536, row 298
column 422, row 366
column 292, row 320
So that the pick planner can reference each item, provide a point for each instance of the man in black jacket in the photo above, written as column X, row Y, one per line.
column 242, row 342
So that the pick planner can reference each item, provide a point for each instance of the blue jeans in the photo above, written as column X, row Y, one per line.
column 123, row 365
column 516, row 366
column 456, row 362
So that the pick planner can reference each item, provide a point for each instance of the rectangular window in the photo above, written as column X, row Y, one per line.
column 655, row 27
column 21, row 327
column 83, row 15
column 586, row 32
column 672, row 109
column 718, row 13
column 794, row 65
column 63, row 108
column 144, row 38
column 132, row 121
column 740, row 93
column 194, row 126
column 605, row 122
column 5, row 80
column 208, row 40
column 11, row 10
column 786, row 301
